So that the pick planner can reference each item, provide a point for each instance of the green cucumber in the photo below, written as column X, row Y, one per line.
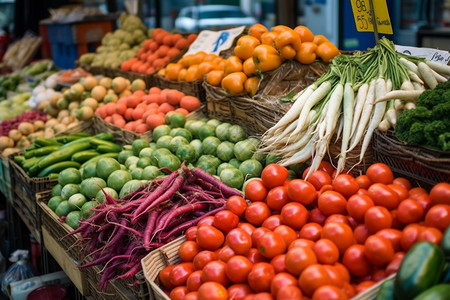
column 386, row 291
column 109, row 148
column 45, row 142
column 437, row 292
column 57, row 167
column 63, row 154
column 83, row 156
column 18, row 159
column 42, row 151
column 53, row 175
column 420, row 269
column 28, row 163
column 106, row 136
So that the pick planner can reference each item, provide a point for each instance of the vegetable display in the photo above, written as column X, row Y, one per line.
column 330, row 107
column 326, row 235
column 120, row 232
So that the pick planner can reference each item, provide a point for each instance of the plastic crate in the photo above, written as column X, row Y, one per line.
column 65, row 55
column 80, row 32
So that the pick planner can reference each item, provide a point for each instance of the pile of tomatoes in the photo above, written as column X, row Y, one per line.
column 330, row 237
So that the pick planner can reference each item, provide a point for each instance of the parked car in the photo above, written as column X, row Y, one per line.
column 212, row 17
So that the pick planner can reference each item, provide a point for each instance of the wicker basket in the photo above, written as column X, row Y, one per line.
column 422, row 166
column 155, row 261
column 265, row 109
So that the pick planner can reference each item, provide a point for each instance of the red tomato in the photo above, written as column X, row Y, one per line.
column 395, row 263
column 255, row 256
column 326, row 252
column 215, row 271
column 301, row 243
column 225, row 220
column 257, row 212
column 247, row 227
column 343, row 271
column 356, row 261
column 332, row 202
column 188, row 250
column 440, row 193
column 338, row 218
column 316, row 216
column 340, row 234
column 395, row 222
column 239, row 240
column 237, row 268
column 279, row 263
column 313, row 277
column 294, row 215
column 393, row 235
column 212, row 291
column 363, row 181
column 377, row 218
column 237, row 205
column 298, row 258
column 364, row 285
column 191, row 233
column 260, row 277
column 239, row 291
column 191, row 296
column 400, row 190
column 361, row 233
column 290, row 292
column 164, row 277
column 194, row 281
column 430, row 234
column 349, row 290
column 209, row 220
column 410, row 234
column 380, row 172
column 438, row 216
column 378, row 250
column 274, row 175
column 255, row 190
column 403, row 182
column 424, row 200
column 323, row 166
column 280, row 281
column 310, row 231
column 410, row 211
column 287, row 233
column 346, row 185
column 202, row 258
column 263, row 296
column 319, row 179
column 277, row 198
column 383, row 195
column 178, row 293
column 271, row 244
column 180, row 273
column 225, row 253
column 209, row 237
column 329, row 292
column 257, row 234
column 272, row 222
column 301, row 191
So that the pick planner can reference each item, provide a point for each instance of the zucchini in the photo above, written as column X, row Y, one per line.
column 57, row 167
column 53, row 175
column 97, row 158
column 28, row 163
column 76, row 142
column 106, row 136
column 42, row 151
column 437, row 292
column 63, row 154
column 18, row 159
column 445, row 244
column 83, row 156
column 109, row 148
column 386, row 291
column 45, row 142
column 420, row 269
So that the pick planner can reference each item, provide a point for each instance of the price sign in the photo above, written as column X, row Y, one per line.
column 214, row 41
column 363, row 16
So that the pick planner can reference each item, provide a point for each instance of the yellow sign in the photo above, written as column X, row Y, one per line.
column 363, row 16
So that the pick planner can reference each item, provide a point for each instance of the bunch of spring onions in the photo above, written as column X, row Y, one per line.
column 358, row 94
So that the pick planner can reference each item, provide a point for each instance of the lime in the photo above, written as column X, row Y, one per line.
column 244, row 150
column 176, row 142
column 146, row 152
column 138, row 145
column 56, row 190
column 136, row 173
column 69, row 175
column 106, row 166
column 62, row 209
column 143, row 162
column 117, row 179
column 225, row 151
column 69, row 190
column 184, row 133
column 223, row 166
column 186, row 153
column 261, row 157
column 210, row 144
column 89, row 170
column 235, row 162
column 153, row 145
column 160, row 131
column 254, row 141
column 132, row 160
column 157, row 154
column 213, row 122
column 232, row 177
column 169, row 161
column 123, row 155
column 90, row 187
column 194, row 127
column 164, row 141
column 205, row 131
column 122, row 167
column 130, row 187
column 177, row 120
column 271, row 159
column 54, row 201
column 76, row 201
column 151, row 172
column 197, row 144
column 222, row 131
column 73, row 219
column 251, row 168
column 100, row 197
column 86, row 211
column 236, row 133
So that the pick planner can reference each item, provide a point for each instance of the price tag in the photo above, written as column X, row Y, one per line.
column 214, row 41
column 436, row 55
column 363, row 16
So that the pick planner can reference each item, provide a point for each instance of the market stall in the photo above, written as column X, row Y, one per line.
column 273, row 166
